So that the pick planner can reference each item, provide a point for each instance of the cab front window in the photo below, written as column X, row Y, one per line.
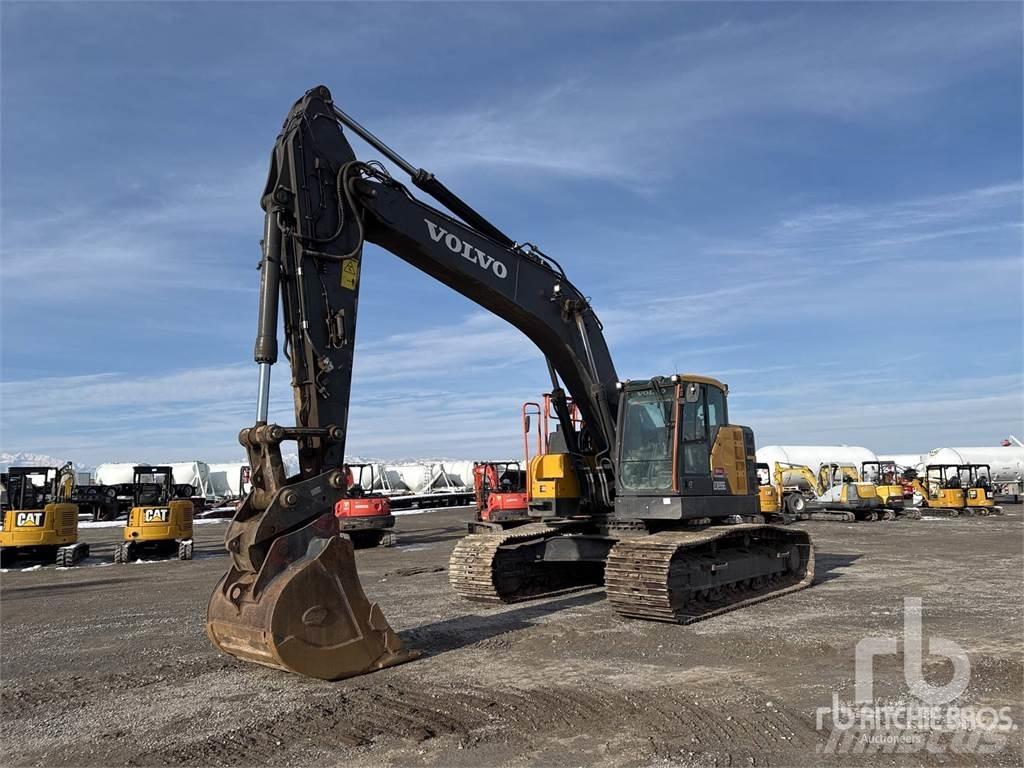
column 645, row 459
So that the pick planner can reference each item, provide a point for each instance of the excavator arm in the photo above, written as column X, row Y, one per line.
column 292, row 598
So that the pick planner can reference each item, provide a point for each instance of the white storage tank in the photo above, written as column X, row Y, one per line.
column 225, row 479
column 116, row 473
column 812, row 456
column 459, row 474
column 196, row 473
column 415, row 476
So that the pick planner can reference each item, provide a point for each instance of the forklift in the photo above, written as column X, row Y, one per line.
column 981, row 496
column 160, row 520
column 39, row 521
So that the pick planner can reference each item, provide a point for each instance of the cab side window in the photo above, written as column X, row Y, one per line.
column 696, row 458
column 716, row 407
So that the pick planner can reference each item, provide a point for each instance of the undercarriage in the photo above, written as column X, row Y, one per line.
column 681, row 575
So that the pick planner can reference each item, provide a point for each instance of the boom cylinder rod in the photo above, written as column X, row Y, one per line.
column 374, row 142
column 429, row 183
column 263, row 396
column 265, row 350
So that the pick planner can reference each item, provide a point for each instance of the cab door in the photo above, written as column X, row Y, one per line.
column 695, row 441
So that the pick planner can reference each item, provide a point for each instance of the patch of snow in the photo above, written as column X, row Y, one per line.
column 400, row 512
column 32, row 568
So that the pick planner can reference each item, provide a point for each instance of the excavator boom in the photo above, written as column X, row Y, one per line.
column 321, row 206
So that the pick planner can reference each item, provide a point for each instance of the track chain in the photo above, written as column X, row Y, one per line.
column 472, row 573
column 638, row 577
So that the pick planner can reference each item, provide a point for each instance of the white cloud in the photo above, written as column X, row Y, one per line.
column 631, row 116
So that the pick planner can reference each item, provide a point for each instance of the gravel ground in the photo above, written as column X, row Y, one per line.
column 106, row 664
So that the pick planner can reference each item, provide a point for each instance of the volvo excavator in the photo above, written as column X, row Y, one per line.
column 655, row 486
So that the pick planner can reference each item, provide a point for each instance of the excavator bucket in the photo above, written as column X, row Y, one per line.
column 304, row 611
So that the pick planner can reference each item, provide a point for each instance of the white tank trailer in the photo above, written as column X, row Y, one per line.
column 225, row 479
column 812, row 456
column 196, row 473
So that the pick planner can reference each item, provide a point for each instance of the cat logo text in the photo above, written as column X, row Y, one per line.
column 28, row 519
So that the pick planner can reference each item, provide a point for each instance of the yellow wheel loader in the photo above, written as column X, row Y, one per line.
column 38, row 520
column 160, row 520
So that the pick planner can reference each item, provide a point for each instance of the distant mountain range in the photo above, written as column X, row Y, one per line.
column 25, row 459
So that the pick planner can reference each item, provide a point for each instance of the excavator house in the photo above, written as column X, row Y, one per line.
column 651, row 491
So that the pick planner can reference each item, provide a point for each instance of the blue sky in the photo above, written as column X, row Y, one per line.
column 819, row 203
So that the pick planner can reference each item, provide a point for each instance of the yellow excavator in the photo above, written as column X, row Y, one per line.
column 981, row 497
column 650, row 493
column 956, row 489
column 39, row 521
column 160, row 520
column 836, row 493
column 841, row 488
column 886, row 478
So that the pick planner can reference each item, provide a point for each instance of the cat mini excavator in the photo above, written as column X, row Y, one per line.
column 39, row 519
column 654, row 487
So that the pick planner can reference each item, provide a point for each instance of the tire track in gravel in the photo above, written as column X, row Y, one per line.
column 364, row 720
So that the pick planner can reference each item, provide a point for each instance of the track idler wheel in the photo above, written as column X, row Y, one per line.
column 305, row 610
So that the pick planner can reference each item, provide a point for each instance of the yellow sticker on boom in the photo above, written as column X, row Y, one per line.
column 349, row 273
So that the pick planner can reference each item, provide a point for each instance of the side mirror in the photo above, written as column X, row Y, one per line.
column 527, row 421
column 691, row 392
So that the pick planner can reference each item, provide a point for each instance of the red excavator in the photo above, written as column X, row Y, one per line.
column 502, row 487
column 652, row 494
column 364, row 514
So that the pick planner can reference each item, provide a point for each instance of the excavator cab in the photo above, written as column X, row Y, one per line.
column 501, row 498
column 160, row 520
column 886, row 478
column 942, row 489
column 679, row 458
column 38, row 519
column 980, row 494
column 365, row 514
